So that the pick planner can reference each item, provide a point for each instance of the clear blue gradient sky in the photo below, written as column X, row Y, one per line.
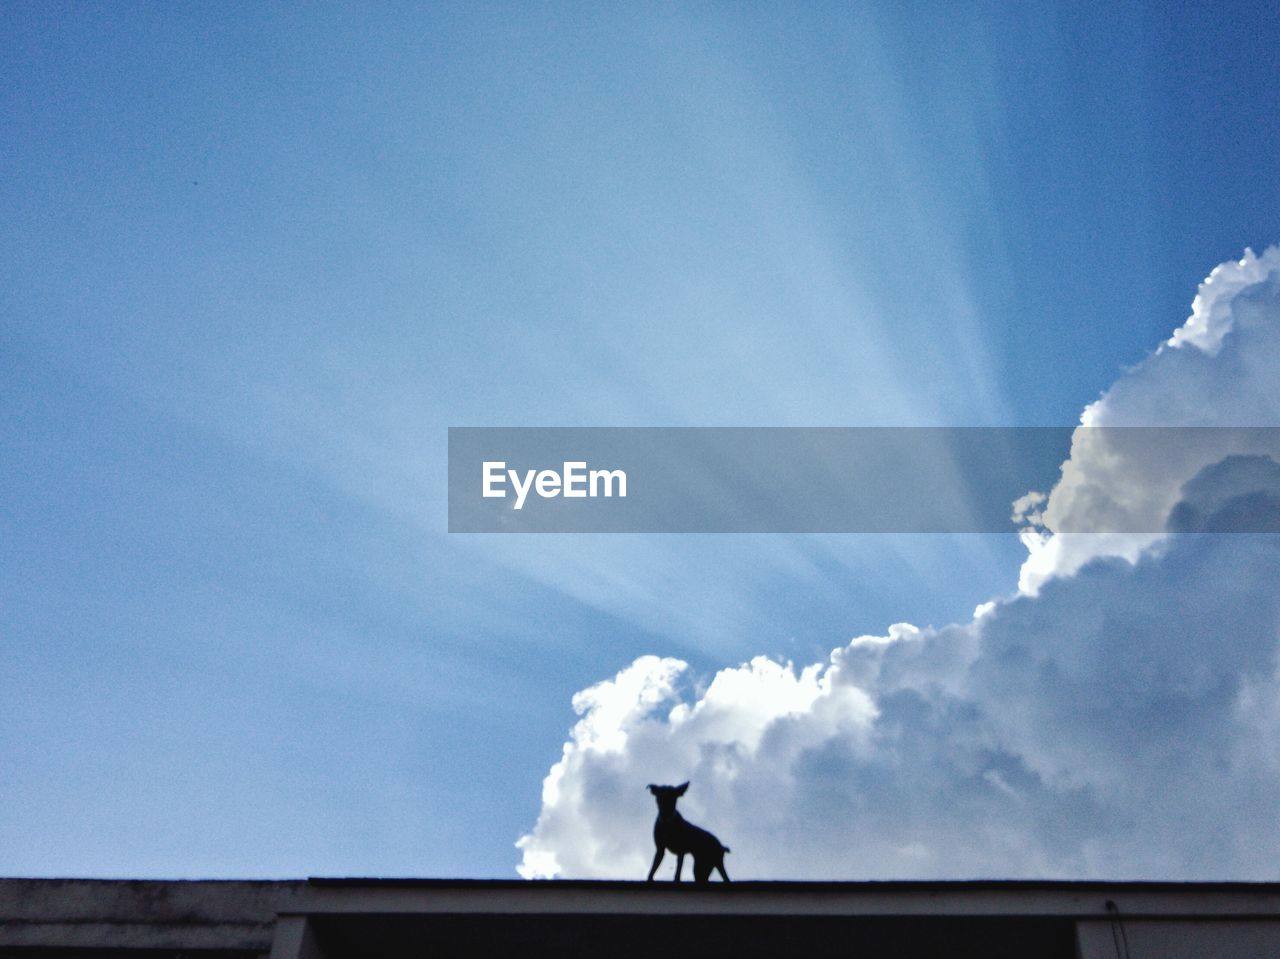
column 259, row 257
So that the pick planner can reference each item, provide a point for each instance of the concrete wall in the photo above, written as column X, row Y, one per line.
column 1180, row 939
column 132, row 914
column 334, row 919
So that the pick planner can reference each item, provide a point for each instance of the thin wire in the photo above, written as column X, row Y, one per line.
column 1118, row 933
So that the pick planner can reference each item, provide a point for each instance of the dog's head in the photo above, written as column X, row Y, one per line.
column 666, row 796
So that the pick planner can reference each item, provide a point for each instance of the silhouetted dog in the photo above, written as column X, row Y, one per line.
column 672, row 831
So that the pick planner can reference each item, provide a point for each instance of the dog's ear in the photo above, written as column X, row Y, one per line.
column 652, row 788
column 680, row 790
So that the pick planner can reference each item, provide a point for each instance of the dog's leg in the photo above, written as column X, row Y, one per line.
column 720, row 866
column 679, row 864
column 657, row 858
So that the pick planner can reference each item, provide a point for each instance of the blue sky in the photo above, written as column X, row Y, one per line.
column 259, row 258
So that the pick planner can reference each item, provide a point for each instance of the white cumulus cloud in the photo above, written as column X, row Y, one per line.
column 1220, row 370
column 1116, row 718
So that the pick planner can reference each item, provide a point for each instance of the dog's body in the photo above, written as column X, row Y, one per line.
column 672, row 831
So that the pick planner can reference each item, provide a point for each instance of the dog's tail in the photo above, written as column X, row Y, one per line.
column 724, row 848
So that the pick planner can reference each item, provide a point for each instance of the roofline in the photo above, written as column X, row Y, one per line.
column 808, row 885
